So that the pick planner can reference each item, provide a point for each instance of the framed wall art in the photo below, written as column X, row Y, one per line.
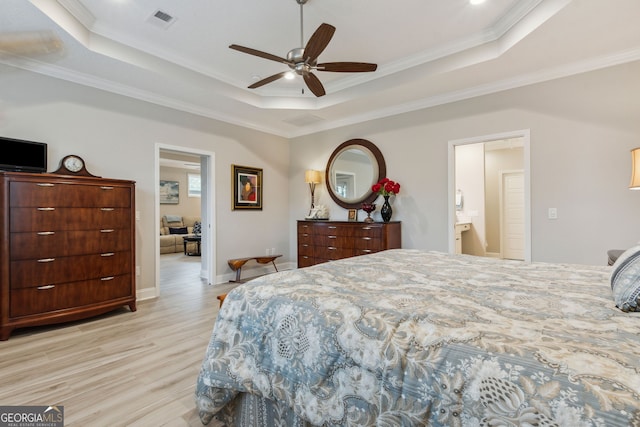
column 246, row 188
column 169, row 192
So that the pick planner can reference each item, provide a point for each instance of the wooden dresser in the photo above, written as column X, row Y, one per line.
column 67, row 248
column 322, row 241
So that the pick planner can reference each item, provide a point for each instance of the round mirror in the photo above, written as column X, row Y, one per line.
column 352, row 169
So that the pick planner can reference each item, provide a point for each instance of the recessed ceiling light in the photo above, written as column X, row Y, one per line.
column 289, row 75
column 475, row 2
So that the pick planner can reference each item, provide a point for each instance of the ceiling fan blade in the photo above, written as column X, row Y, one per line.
column 318, row 42
column 314, row 85
column 268, row 80
column 259, row 53
column 347, row 67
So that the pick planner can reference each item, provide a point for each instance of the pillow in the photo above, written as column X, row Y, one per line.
column 178, row 230
column 197, row 228
column 625, row 280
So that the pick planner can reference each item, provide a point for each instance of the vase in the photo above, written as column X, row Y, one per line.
column 386, row 210
column 368, row 208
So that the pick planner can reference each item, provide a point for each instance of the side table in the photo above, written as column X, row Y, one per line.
column 192, row 239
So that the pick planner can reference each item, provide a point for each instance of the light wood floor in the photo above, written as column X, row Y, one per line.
column 120, row 369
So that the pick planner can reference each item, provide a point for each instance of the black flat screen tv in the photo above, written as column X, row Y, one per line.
column 22, row 156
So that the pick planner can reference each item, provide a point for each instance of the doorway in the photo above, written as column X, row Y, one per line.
column 193, row 161
column 489, row 194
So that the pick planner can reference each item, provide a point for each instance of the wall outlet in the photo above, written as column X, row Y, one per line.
column 553, row 213
column 137, row 270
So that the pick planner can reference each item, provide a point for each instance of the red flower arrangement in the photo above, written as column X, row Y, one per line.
column 386, row 187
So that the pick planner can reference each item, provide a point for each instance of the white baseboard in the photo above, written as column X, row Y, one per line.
column 146, row 293
column 492, row 254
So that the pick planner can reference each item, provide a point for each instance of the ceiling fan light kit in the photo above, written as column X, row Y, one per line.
column 303, row 60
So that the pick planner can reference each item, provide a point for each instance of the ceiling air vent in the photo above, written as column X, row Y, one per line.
column 161, row 19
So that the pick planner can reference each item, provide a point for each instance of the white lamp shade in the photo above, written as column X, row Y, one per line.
column 635, row 169
column 312, row 177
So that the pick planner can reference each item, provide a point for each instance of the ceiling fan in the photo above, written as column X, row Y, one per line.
column 303, row 60
column 29, row 43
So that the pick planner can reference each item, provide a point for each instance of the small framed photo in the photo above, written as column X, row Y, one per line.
column 246, row 188
column 353, row 214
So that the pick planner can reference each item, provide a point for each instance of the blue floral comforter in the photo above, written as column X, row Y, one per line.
column 413, row 338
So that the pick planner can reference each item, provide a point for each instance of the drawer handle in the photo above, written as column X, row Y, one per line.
column 45, row 184
column 107, row 254
column 332, row 226
column 45, row 233
column 305, row 235
column 366, row 238
column 107, row 230
column 46, row 260
column 106, row 209
column 105, row 187
column 46, row 209
column 44, row 288
column 106, row 279
column 367, row 228
column 331, row 248
column 366, row 250
column 333, row 237
column 305, row 257
column 305, row 246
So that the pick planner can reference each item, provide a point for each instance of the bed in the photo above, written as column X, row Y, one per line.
column 414, row 338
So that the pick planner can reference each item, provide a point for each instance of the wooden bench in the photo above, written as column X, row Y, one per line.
column 237, row 263
column 221, row 298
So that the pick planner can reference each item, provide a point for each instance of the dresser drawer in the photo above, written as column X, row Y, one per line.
column 50, row 271
column 370, row 231
column 305, row 249
column 34, row 194
column 369, row 243
column 51, row 218
column 332, row 252
column 28, row 301
column 335, row 241
column 305, row 260
column 305, row 238
column 68, row 243
column 332, row 230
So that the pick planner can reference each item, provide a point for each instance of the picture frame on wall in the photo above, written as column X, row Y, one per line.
column 246, row 188
column 169, row 192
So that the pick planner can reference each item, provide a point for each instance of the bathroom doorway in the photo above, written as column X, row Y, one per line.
column 489, row 196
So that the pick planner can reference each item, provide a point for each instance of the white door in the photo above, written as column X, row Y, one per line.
column 512, row 215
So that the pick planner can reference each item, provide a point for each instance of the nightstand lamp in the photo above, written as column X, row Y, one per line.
column 312, row 177
column 635, row 169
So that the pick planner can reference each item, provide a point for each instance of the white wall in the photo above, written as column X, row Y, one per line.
column 116, row 136
column 186, row 206
column 582, row 129
column 470, row 180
